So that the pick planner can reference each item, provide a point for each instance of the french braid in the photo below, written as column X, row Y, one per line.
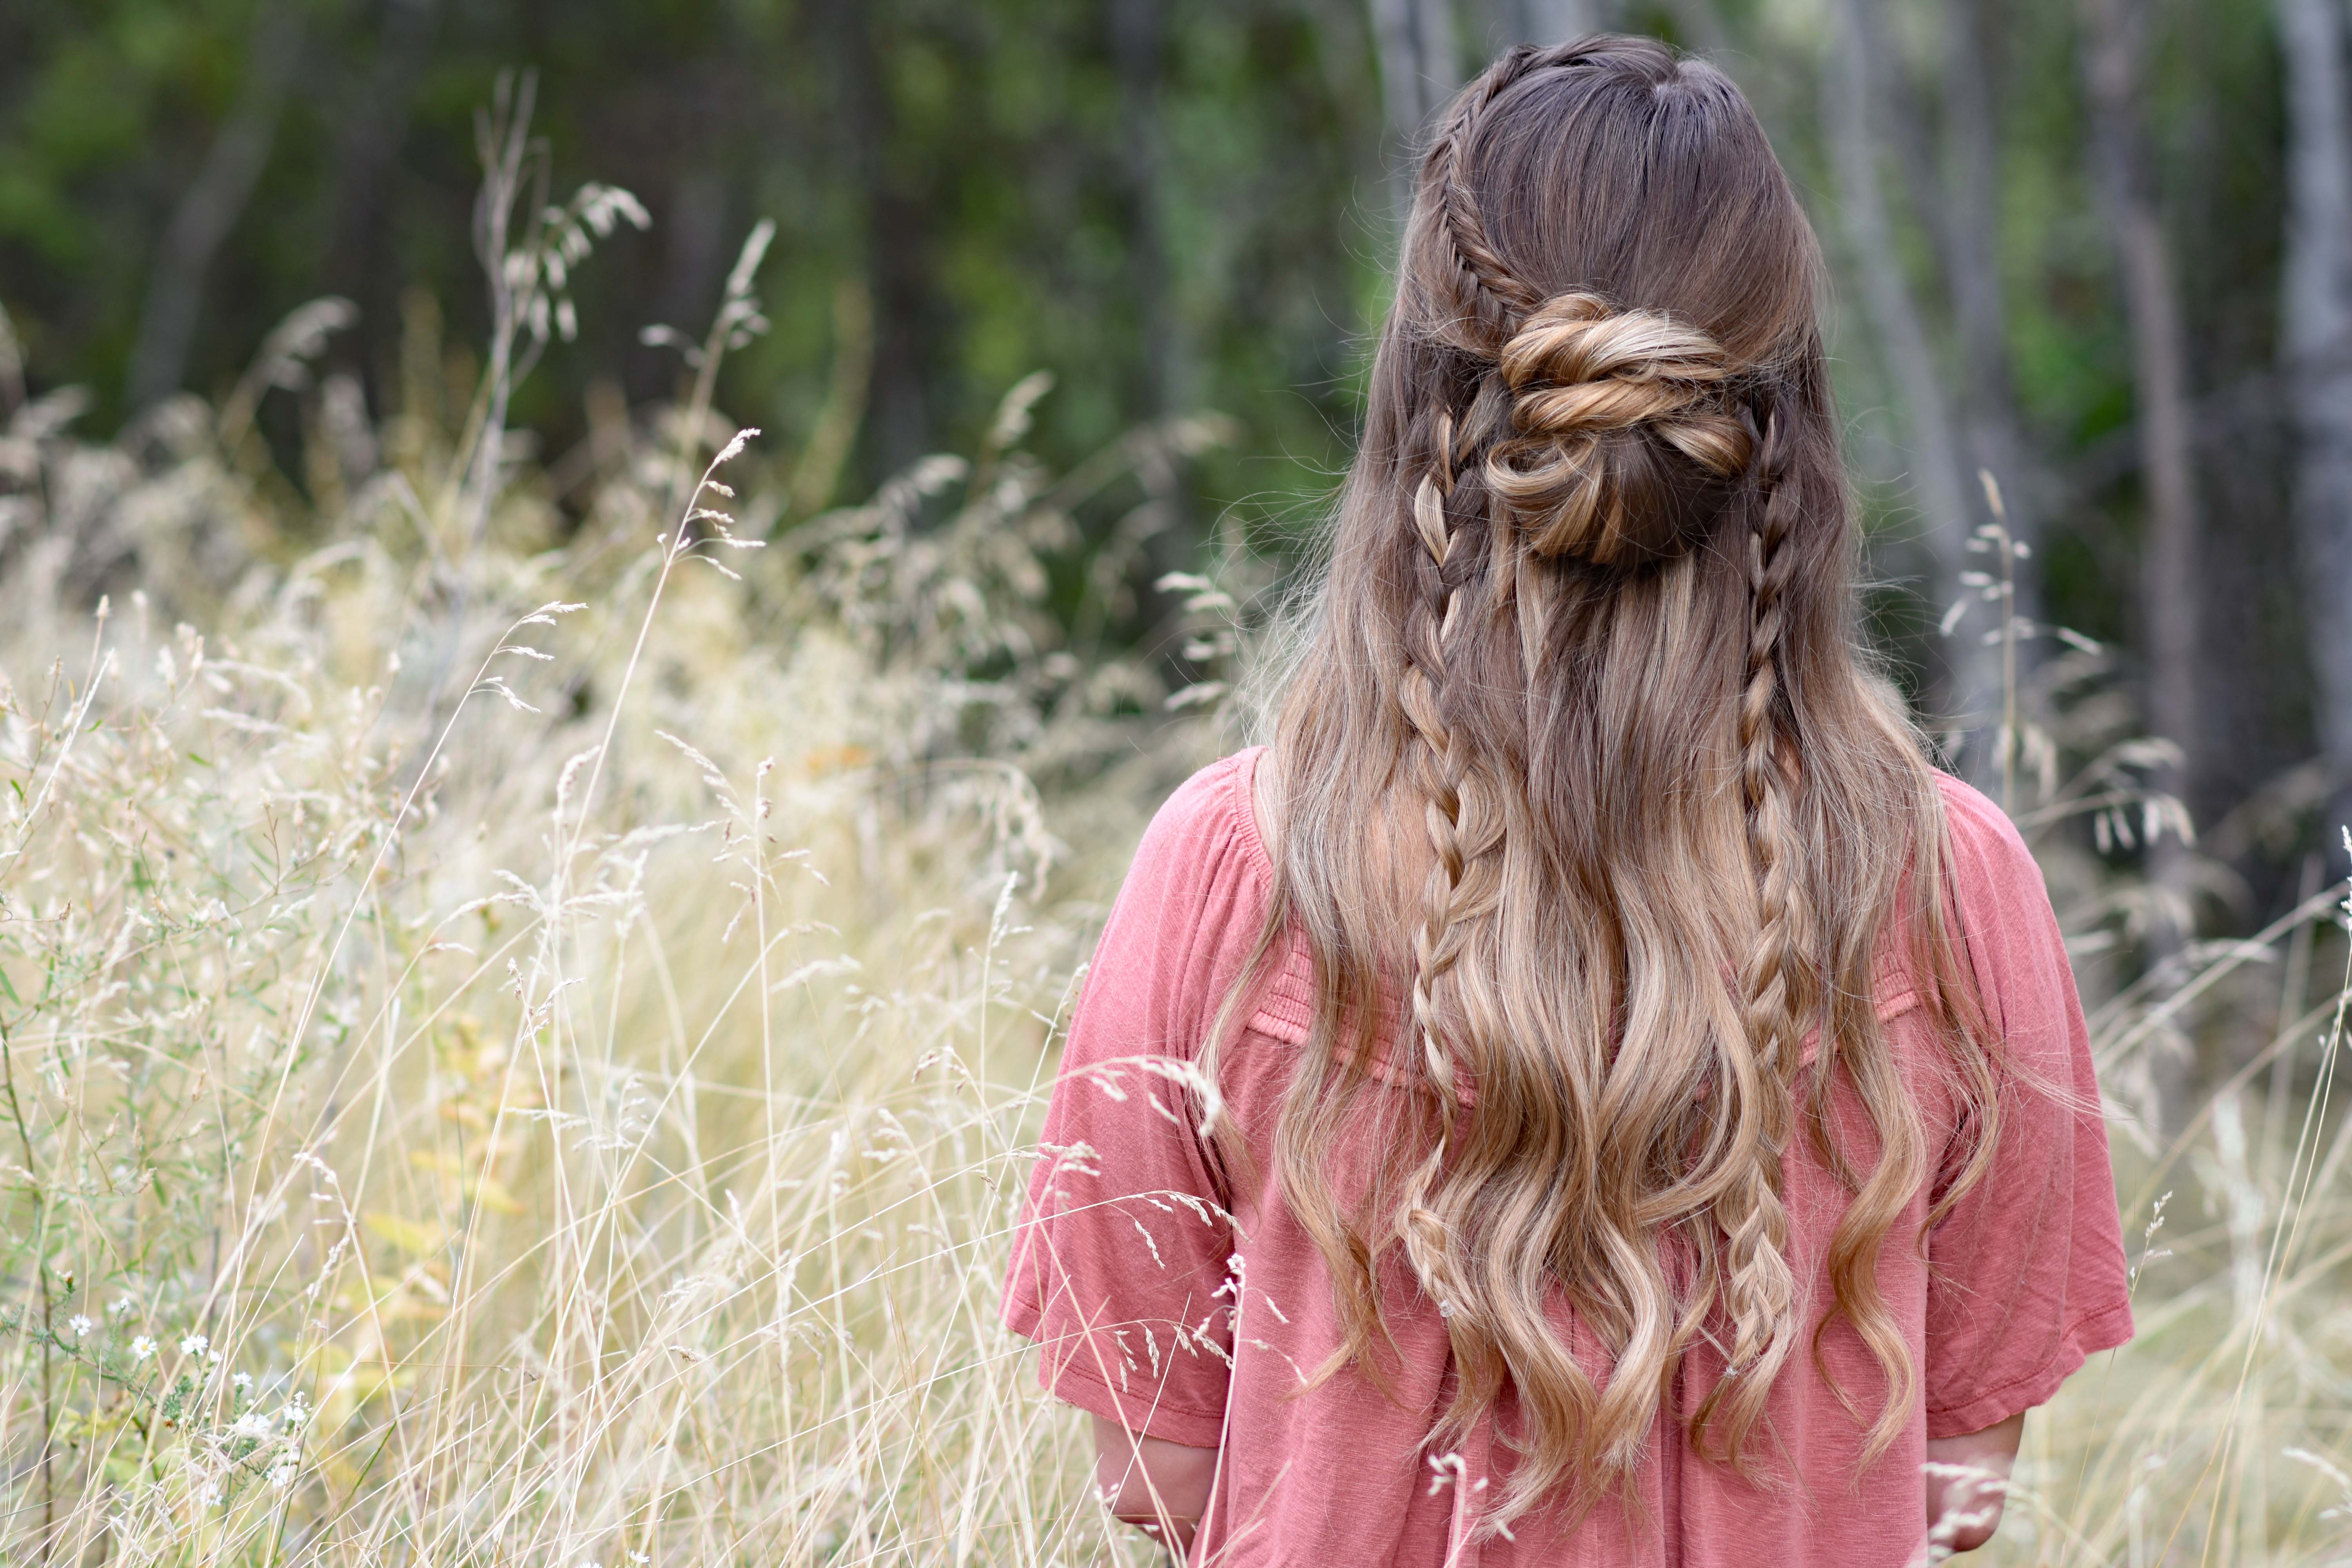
column 1492, row 298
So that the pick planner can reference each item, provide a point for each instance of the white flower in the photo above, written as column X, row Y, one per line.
column 244, row 1380
column 282, row 1475
column 209, row 1496
column 252, row 1424
column 294, row 1414
column 195, row 1344
column 639, row 1558
column 142, row 1347
column 79, row 1324
column 122, row 1305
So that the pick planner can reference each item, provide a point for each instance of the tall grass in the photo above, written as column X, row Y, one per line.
column 526, row 1052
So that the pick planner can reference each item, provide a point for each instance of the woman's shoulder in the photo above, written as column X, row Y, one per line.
column 2008, row 929
column 1209, row 824
column 1185, row 919
column 1990, row 860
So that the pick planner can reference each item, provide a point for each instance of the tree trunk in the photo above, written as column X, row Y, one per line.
column 1421, row 68
column 1139, row 49
column 215, row 200
column 1139, row 45
column 361, row 260
column 2315, row 354
column 1993, row 434
column 1970, row 693
column 1953, row 176
column 897, row 239
column 2169, row 586
column 1547, row 22
column 2169, row 601
column 1701, row 30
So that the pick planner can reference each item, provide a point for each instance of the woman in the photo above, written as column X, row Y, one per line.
column 1589, row 1092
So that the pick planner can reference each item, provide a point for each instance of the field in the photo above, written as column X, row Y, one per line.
column 520, row 1043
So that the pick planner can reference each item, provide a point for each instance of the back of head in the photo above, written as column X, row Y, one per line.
column 1581, row 736
column 1604, row 271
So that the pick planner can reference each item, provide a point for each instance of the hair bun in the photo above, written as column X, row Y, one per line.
column 1600, row 397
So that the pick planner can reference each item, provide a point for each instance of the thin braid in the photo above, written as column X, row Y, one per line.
column 1418, row 695
column 1495, row 297
column 1759, row 1286
column 1453, row 895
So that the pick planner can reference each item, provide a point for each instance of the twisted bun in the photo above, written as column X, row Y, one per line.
column 1607, row 405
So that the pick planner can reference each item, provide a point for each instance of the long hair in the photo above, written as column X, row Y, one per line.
column 1584, row 780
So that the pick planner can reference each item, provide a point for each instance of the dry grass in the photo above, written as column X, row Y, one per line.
column 519, row 1054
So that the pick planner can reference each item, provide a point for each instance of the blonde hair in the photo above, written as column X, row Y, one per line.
column 1581, row 742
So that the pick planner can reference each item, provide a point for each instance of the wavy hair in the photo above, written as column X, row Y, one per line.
column 1582, row 757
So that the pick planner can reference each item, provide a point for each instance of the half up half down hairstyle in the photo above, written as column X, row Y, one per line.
column 1583, row 792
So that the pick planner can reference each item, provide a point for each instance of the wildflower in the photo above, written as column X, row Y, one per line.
column 281, row 1475
column 639, row 1558
column 142, row 1347
column 122, row 1305
column 195, row 1344
column 253, row 1424
column 79, row 1324
column 209, row 1497
column 244, row 1382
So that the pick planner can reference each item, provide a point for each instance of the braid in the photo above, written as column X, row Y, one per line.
column 1463, row 880
column 1493, row 298
column 1759, row 1286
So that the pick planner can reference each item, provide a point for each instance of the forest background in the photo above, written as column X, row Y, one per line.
column 572, row 1114
column 2099, row 250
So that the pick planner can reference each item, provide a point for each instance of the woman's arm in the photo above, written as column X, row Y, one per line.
column 1964, row 1497
column 1161, row 1487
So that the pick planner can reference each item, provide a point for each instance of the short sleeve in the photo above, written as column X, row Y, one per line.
column 1121, row 1254
column 2027, row 1273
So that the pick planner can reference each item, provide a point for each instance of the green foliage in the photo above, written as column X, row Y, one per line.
column 1000, row 139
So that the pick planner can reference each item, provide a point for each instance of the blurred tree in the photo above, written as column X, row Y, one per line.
column 2114, row 34
column 362, row 246
column 1139, row 45
column 1970, row 692
column 897, row 222
column 211, row 207
column 1541, row 22
column 2315, row 355
column 1966, row 223
column 1421, row 69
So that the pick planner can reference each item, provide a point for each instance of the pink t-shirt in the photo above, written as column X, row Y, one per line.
column 1192, row 1312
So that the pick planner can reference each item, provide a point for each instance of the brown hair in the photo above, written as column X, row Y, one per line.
column 1582, row 741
